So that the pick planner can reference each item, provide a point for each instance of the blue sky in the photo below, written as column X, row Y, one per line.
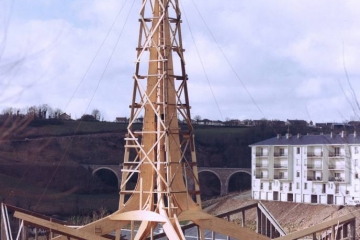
column 291, row 56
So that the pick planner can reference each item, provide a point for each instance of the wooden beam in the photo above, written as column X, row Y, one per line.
column 229, row 229
column 193, row 214
column 321, row 226
column 138, row 215
column 58, row 227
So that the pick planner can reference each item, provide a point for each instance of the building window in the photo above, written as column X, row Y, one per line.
column 297, row 185
column 270, row 186
column 282, row 151
column 281, row 186
column 297, row 173
column 290, row 186
column 337, row 151
column 298, row 150
column 336, row 188
column 324, row 188
column 305, row 185
column 261, row 186
column 356, row 175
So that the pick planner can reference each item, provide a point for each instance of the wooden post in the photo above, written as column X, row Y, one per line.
column 314, row 236
column 3, row 234
column 345, row 230
column 25, row 232
column 258, row 221
column 352, row 230
column 36, row 233
column 242, row 218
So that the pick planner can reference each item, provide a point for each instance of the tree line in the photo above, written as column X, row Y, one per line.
column 44, row 111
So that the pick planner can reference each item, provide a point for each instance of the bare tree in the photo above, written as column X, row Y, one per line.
column 197, row 118
column 96, row 114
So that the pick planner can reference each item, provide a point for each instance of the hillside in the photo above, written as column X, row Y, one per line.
column 48, row 155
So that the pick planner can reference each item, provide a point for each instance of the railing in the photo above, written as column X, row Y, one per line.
column 280, row 155
column 314, row 178
column 336, row 179
column 314, row 166
column 280, row 166
column 262, row 176
column 262, row 154
column 280, row 177
column 336, row 155
column 262, row 165
column 314, row 155
column 336, row 167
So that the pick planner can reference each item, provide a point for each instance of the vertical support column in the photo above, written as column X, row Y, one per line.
column 36, row 233
column 258, row 221
column 333, row 232
column 268, row 226
column 242, row 218
column 345, row 230
column 352, row 230
column 2, row 230
column 263, row 224
column 314, row 236
column 228, row 219
column 25, row 232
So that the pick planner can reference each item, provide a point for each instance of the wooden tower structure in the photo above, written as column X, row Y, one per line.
column 161, row 153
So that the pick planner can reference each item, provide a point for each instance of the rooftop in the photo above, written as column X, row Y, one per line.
column 299, row 139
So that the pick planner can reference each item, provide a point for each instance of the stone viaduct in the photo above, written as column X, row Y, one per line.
column 223, row 174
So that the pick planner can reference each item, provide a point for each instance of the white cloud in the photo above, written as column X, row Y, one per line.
column 288, row 54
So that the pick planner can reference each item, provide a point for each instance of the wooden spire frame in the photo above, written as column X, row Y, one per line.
column 162, row 152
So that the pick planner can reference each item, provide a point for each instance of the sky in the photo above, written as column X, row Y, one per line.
column 281, row 59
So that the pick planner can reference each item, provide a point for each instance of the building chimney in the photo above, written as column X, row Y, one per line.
column 278, row 136
column 288, row 135
column 331, row 134
column 355, row 134
column 299, row 135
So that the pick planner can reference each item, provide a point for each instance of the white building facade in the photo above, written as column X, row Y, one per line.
column 321, row 169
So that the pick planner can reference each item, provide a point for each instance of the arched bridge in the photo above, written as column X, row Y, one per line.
column 223, row 174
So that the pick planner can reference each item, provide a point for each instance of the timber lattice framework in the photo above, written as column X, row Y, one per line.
column 161, row 154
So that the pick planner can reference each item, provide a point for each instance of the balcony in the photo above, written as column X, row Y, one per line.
column 315, row 154
column 277, row 165
column 336, row 167
column 280, row 155
column 314, row 166
column 314, row 179
column 280, row 177
column 262, row 165
column 331, row 154
column 261, row 155
column 336, row 179
column 259, row 176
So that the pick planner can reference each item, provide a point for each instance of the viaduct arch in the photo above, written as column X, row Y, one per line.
column 223, row 174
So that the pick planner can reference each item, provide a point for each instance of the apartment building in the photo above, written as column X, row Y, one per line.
column 321, row 169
